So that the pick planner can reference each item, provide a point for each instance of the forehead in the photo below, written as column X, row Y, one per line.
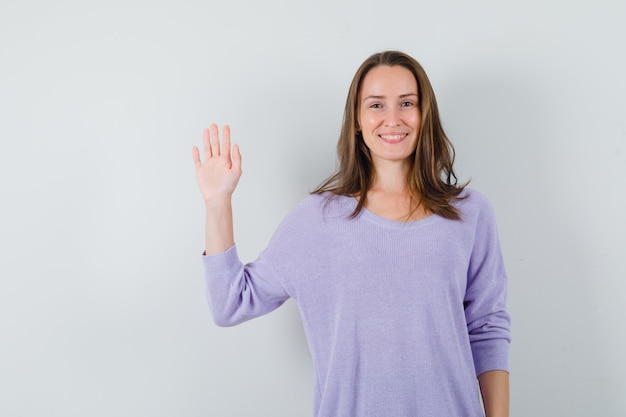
column 385, row 80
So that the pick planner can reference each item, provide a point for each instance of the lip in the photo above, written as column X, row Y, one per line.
column 393, row 137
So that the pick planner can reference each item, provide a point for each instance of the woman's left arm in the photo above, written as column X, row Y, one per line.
column 488, row 322
column 494, row 388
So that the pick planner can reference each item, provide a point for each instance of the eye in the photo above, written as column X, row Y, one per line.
column 376, row 106
column 407, row 104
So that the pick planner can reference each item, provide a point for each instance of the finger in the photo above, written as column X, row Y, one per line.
column 236, row 158
column 215, row 140
column 226, row 141
column 206, row 142
column 195, row 153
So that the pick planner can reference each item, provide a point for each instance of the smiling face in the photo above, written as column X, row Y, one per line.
column 388, row 114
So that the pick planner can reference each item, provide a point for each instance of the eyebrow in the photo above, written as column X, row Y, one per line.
column 381, row 97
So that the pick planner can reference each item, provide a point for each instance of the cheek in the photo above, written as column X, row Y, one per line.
column 368, row 121
column 414, row 120
column 367, row 139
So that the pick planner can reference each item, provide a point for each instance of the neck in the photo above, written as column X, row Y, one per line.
column 391, row 177
column 390, row 197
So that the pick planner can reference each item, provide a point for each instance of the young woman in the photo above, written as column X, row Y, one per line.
column 395, row 267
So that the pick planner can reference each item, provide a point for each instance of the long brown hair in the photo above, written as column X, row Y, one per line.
column 431, row 179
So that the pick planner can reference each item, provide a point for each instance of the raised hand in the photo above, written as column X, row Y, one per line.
column 219, row 174
column 217, row 177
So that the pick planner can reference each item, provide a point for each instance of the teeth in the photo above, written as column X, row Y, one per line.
column 392, row 137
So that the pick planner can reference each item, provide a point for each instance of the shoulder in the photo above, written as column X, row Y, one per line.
column 309, row 224
column 315, row 211
column 474, row 205
column 321, row 206
column 472, row 197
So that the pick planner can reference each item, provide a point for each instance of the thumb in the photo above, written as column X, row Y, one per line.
column 236, row 158
column 195, row 154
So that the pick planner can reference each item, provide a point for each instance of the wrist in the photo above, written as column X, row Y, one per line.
column 217, row 200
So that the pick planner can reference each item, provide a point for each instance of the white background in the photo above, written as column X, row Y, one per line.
column 102, row 309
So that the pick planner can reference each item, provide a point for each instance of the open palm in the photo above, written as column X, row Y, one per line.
column 220, row 171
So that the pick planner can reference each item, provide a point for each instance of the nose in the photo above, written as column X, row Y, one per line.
column 392, row 116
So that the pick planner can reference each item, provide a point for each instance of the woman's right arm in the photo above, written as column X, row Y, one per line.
column 236, row 292
column 217, row 177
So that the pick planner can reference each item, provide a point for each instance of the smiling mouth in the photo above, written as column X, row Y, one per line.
column 393, row 138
